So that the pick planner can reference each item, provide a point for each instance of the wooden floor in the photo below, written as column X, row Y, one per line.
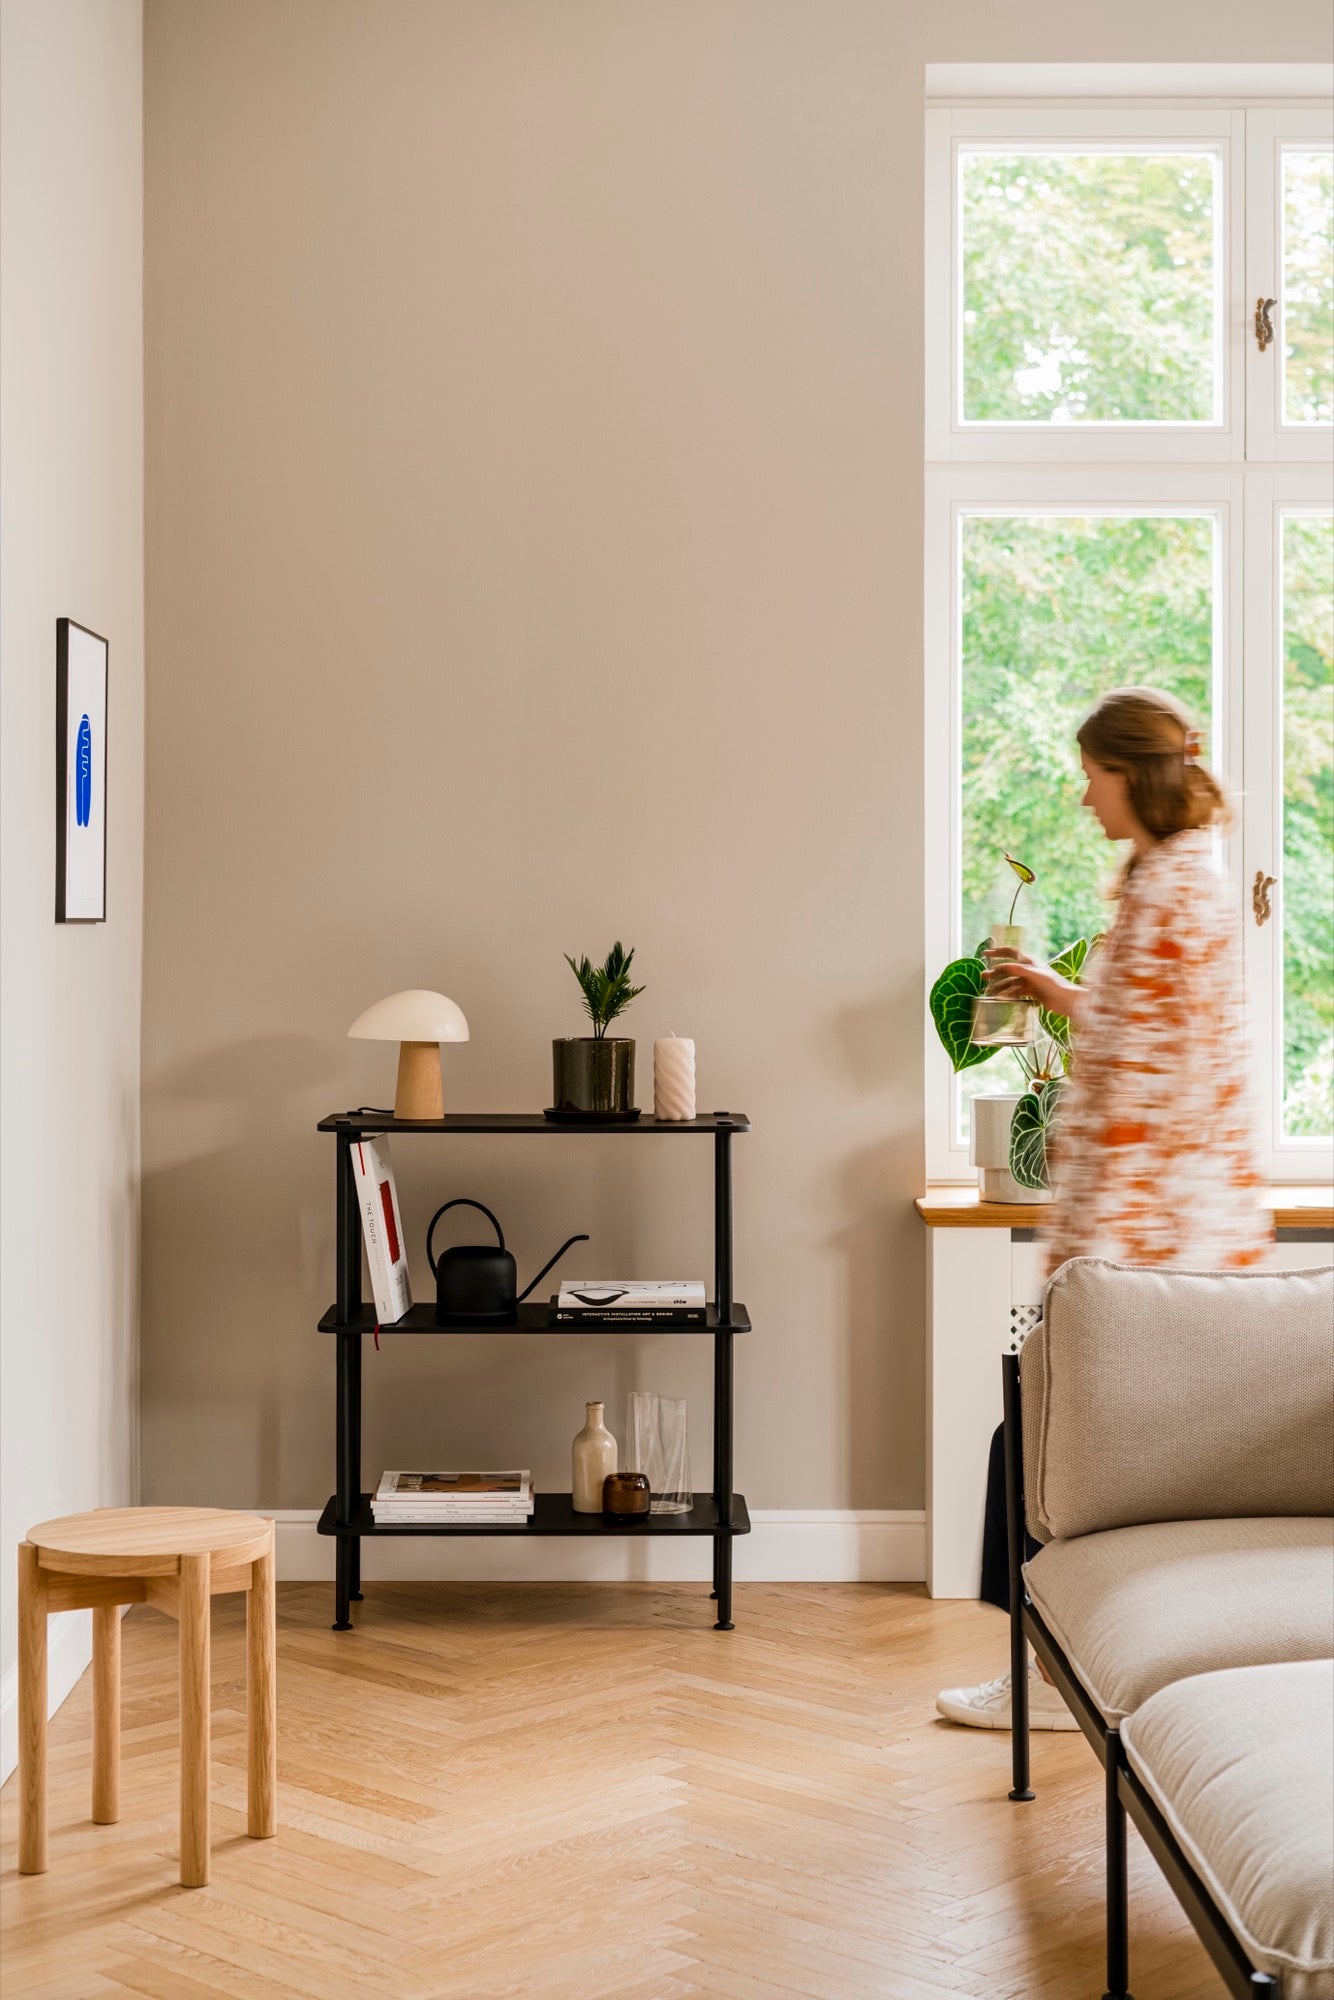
column 536, row 1792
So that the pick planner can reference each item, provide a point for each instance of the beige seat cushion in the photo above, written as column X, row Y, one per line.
column 1137, row 1608
column 1241, row 1765
column 1155, row 1395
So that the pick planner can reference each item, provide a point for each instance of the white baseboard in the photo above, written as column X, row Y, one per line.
column 69, row 1651
column 834, row 1545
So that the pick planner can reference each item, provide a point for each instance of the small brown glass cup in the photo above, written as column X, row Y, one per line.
column 626, row 1498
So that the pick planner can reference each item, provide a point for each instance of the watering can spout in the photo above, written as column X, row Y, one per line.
column 546, row 1267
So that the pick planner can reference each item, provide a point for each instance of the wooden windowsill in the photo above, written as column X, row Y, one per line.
column 949, row 1207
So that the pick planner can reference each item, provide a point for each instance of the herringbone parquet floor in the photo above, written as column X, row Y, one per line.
column 578, row 1792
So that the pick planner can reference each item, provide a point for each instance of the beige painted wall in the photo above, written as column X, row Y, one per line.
column 71, row 500
column 534, row 446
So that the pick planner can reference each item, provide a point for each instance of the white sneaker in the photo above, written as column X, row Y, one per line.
column 988, row 1706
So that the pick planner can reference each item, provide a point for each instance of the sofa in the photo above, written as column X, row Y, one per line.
column 1169, row 1444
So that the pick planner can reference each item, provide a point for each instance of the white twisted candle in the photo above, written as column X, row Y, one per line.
column 674, row 1078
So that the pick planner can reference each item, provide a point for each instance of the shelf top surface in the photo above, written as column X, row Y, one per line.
column 534, row 1319
column 362, row 1121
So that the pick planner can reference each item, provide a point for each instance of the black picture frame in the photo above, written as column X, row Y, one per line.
column 82, row 670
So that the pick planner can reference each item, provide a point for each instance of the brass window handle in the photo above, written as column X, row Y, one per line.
column 1260, row 897
column 1264, row 324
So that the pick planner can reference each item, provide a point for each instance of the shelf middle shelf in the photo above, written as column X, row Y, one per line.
column 531, row 1319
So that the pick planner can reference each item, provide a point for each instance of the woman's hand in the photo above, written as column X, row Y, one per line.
column 1013, row 976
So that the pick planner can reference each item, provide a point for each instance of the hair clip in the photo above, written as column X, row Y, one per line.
column 1191, row 748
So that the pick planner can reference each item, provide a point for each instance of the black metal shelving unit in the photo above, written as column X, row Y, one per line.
column 347, row 1517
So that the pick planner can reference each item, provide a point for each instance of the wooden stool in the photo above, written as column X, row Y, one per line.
column 176, row 1558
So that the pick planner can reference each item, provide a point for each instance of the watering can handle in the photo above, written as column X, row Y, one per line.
column 460, row 1201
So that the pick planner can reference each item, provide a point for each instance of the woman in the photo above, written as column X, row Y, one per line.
column 1154, row 1159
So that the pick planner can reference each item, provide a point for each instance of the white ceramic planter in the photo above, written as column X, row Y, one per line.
column 989, row 1150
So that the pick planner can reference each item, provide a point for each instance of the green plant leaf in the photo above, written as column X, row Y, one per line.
column 951, row 1005
column 1031, row 1129
column 606, row 988
column 1069, row 962
column 1025, row 874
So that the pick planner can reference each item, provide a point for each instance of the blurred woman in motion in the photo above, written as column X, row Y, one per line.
column 1154, row 1160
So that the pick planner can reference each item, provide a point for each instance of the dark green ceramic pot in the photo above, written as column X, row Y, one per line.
column 591, row 1076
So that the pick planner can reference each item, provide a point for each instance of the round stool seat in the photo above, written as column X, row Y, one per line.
column 148, row 1541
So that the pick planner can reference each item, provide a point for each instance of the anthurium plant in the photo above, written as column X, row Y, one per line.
column 1045, row 1065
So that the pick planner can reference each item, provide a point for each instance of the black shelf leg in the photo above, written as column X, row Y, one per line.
column 354, row 1456
column 722, row 1379
column 345, row 1496
column 722, row 1479
column 347, row 1414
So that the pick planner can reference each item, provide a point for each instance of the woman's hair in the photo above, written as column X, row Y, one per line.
column 1150, row 737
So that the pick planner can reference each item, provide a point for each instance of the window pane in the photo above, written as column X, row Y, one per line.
column 1308, row 286
column 1088, row 287
column 1058, row 609
column 1308, row 826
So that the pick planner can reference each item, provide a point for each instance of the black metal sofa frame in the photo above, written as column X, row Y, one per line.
column 1124, row 1793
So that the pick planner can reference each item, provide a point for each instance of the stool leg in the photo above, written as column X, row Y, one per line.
column 106, row 1714
column 194, row 1656
column 261, row 1647
column 32, row 1713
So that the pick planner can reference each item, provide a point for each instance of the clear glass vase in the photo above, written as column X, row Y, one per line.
column 1004, row 1024
column 656, row 1444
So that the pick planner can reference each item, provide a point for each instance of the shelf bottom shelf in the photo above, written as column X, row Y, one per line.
column 553, row 1514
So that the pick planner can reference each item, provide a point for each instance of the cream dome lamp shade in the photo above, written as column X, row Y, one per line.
column 418, row 1021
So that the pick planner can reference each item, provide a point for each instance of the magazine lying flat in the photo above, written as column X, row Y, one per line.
column 486, row 1499
column 468, row 1489
column 453, row 1517
column 599, row 1296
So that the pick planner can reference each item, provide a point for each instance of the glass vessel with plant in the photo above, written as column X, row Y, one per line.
column 1041, row 1046
column 594, row 1075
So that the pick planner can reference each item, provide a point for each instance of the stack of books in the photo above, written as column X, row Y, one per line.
column 631, row 1301
column 453, row 1499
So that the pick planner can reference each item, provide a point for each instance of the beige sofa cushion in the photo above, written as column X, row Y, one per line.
column 1241, row 1765
column 1136, row 1608
column 1174, row 1395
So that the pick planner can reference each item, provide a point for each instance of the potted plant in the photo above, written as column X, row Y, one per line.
column 1044, row 1060
column 594, row 1075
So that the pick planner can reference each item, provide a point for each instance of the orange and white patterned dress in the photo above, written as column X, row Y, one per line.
column 1154, row 1152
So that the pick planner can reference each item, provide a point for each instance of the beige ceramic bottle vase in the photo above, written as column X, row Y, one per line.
column 594, row 1457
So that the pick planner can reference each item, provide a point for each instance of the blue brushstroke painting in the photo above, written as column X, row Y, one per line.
column 83, row 773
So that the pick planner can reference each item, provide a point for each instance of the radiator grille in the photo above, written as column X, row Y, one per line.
column 1022, row 1321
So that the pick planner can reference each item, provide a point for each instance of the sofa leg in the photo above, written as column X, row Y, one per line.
column 1118, row 1905
column 1014, row 1521
column 1021, row 1791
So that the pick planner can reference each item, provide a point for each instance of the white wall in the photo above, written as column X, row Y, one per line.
column 71, row 501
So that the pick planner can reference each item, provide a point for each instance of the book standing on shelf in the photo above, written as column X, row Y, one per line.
column 454, row 1499
column 382, row 1227
column 631, row 1301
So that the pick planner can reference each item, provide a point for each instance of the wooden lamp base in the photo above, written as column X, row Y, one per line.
column 421, row 1084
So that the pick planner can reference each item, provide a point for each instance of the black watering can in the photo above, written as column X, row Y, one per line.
column 475, row 1284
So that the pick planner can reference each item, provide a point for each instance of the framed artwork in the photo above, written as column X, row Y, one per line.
column 81, row 774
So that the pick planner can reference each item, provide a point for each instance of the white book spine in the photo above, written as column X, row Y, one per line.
column 382, row 1228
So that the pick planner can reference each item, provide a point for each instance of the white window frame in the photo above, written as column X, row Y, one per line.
column 949, row 133
column 1269, row 435
column 1247, row 470
column 1271, row 495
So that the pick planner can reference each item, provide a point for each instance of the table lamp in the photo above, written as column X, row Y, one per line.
column 418, row 1021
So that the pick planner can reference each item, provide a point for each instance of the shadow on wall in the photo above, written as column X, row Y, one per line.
column 230, row 1269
